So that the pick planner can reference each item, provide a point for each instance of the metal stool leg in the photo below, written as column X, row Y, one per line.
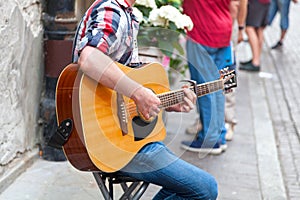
column 138, row 192
column 102, row 186
column 132, row 192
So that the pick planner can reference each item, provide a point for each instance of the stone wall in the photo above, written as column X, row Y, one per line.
column 21, row 75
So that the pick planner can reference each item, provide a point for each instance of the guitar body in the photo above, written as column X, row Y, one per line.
column 67, row 107
column 106, row 135
column 107, row 128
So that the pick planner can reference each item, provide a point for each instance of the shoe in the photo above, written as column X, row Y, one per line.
column 250, row 67
column 196, row 146
column 222, row 144
column 246, row 62
column 223, row 147
column 230, row 131
column 278, row 45
column 195, row 128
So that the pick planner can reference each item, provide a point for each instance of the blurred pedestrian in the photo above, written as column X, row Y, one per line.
column 256, row 21
column 238, row 10
column 283, row 7
column 208, row 51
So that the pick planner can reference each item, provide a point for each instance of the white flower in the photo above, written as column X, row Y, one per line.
column 155, row 19
column 138, row 14
column 146, row 3
column 169, row 12
column 161, row 17
column 183, row 21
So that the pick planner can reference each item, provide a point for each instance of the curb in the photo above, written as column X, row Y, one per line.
column 16, row 168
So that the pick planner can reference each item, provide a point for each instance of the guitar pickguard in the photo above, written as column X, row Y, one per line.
column 142, row 129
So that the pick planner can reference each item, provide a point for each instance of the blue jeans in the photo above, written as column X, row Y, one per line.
column 179, row 180
column 283, row 7
column 204, row 65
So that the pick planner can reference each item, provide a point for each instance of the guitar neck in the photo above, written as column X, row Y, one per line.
column 174, row 97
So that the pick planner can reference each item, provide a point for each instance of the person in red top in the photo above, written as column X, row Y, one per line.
column 208, row 51
column 212, row 22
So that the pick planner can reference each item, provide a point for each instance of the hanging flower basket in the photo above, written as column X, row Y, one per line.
column 162, row 25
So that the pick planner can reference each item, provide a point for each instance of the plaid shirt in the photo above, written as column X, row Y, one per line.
column 110, row 26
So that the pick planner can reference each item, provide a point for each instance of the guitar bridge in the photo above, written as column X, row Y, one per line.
column 122, row 114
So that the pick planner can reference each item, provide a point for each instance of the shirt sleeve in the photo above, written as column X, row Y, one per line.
column 102, row 28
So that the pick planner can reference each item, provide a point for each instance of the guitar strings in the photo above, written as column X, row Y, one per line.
column 172, row 98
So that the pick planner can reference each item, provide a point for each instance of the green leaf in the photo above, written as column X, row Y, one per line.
column 166, row 47
column 178, row 47
column 144, row 10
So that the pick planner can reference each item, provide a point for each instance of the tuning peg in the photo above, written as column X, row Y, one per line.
column 224, row 70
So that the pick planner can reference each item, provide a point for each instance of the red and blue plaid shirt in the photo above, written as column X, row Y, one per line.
column 110, row 26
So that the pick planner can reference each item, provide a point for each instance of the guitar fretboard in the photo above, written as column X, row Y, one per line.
column 174, row 97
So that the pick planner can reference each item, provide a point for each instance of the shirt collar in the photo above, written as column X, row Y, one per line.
column 123, row 3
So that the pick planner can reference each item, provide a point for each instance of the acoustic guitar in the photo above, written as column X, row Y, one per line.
column 108, row 130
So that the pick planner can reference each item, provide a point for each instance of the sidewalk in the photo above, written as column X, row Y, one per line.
column 262, row 161
column 245, row 171
column 284, row 100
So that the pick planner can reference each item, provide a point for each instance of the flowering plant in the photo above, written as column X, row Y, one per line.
column 161, row 22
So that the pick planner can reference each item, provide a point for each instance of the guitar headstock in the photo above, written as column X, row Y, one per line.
column 229, row 79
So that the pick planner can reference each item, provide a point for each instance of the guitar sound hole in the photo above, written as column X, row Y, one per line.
column 141, row 128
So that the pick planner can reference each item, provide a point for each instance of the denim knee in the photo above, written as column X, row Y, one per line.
column 209, row 191
column 214, row 189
